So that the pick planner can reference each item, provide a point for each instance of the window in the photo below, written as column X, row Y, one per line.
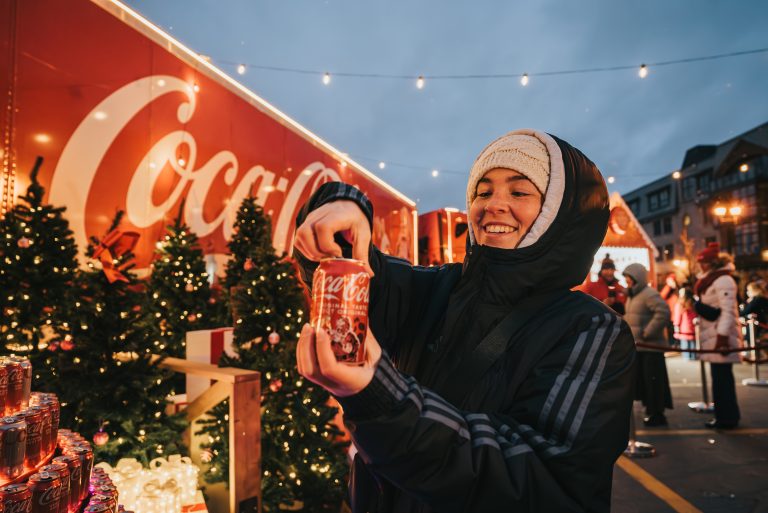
column 667, row 225
column 747, row 242
column 634, row 206
column 669, row 251
column 656, row 227
column 658, row 199
column 689, row 188
column 702, row 183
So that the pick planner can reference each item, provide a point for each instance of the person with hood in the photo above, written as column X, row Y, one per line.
column 489, row 384
column 719, row 329
column 648, row 316
column 607, row 288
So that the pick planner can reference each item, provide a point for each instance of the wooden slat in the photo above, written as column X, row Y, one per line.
column 208, row 399
column 226, row 374
column 245, row 448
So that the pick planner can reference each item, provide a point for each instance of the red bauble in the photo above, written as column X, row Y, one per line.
column 192, row 317
column 101, row 438
column 53, row 346
column 274, row 338
column 248, row 265
column 24, row 242
column 67, row 345
column 189, row 287
column 276, row 384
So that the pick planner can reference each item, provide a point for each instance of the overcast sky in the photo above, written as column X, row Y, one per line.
column 635, row 130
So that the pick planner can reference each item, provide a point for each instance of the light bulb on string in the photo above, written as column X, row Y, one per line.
column 241, row 69
column 524, row 80
column 420, row 82
column 611, row 179
column 382, row 165
column 435, row 172
column 643, row 71
column 326, row 78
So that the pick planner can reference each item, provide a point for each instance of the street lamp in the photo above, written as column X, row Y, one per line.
column 727, row 215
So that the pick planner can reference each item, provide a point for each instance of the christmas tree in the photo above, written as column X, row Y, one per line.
column 303, row 463
column 179, row 293
column 109, row 386
column 38, row 262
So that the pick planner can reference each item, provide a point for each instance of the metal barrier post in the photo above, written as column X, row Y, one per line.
column 634, row 448
column 703, row 406
column 756, row 381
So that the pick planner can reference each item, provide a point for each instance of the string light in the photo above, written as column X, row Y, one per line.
column 611, row 179
column 241, row 69
column 643, row 71
column 382, row 165
column 524, row 80
column 435, row 172
column 676, row 175
column 326, row 78
column 744, row 168
column 420, row 82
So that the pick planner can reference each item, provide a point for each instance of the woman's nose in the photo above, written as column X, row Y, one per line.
column 496, row 204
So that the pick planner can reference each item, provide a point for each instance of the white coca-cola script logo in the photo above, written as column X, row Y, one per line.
column 49, row 496
column 356, row 289
column 13, row 506
column 84, row 151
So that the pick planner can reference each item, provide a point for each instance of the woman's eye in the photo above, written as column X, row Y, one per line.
column 484, row 194
column 520, row 194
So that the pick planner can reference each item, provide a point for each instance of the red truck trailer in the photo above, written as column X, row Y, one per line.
column 126, row 117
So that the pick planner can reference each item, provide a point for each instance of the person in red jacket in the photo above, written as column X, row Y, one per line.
column 683, row 317
column 607, row 288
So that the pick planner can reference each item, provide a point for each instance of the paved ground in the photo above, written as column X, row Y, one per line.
column 697, row 469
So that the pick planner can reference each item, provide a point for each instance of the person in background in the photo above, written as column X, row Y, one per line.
column 716, row 289
column 648, row 315
column 607, row 288
column 683, row 317
column 669, row 292
column 756, row 307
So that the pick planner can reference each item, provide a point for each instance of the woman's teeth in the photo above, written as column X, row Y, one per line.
column 498, row 228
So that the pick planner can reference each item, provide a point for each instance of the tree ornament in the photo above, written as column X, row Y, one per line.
column 206, row 455
column 67, row 345
column 248, row 265
column 276, row 384
column 189, row 287
column 53, row 346
column 101, row 437
column 24, row 242
column 274, row 338
column 192, row 317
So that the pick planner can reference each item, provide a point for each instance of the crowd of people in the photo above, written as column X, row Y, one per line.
column 709, row 303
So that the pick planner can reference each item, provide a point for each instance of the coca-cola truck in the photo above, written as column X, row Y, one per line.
column 126, row 117
column 442, row 236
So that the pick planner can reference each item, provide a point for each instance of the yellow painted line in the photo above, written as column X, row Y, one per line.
column 701, row 432
column 656, row 487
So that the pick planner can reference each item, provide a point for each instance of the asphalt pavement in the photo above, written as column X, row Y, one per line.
column 697, row 469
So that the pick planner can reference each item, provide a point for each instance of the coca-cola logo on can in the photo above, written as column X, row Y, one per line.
column 49, row 496
column 18, row 506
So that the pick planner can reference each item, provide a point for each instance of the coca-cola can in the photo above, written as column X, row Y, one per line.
column 85, row 455
column 75, row 475
column 110, row 502
column 13, row 446
column 55, row 409
column 26, row 367
column 46, row 490
column 340, row 306
column 63, row 471
column 15, row 395
column 34, row 420
column 16, row 498
column 3, row 389
column 46, row 435
column 97, row 507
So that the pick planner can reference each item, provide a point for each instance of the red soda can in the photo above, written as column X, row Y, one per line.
column 97, row 507
column 16, row 498
column 108, row 501
column 63, row 471
column 45, row 428
column 85, row 455
column 107, row 490
column 15, row 386
column 340, row 289
column 13, row 446
column 75, row 475
column 3, row 389
column 26, row 367
column 46, row 490
column 55, row 408
column 34, row 420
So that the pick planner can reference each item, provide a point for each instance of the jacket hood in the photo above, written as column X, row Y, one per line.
column 638, row 273
column 559, row 249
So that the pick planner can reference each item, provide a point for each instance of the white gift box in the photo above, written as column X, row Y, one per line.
column 206, row 346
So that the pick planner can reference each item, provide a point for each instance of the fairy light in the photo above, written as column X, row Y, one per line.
column 643, row 71
column 420, row 82
column 382, row 165
column 435, row 172
column 524, row 80
column 241, row 69
column 326, row 78
column 611, row 179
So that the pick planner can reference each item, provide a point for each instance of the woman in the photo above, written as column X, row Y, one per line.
column 757, row 308
column 497, row 385
column 719, row 329
column 648, row 316
column 683, row 319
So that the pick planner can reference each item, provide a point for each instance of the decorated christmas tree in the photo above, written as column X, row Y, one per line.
column 110, row 388
column 38, row 262
column 179, row 293
column 303, row 461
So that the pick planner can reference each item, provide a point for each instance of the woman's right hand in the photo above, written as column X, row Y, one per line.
column 314, row 238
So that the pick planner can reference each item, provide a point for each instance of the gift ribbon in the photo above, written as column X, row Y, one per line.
column 111, row 247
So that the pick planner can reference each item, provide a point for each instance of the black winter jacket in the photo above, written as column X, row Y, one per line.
column 546, row 444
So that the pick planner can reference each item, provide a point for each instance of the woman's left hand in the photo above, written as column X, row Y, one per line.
column 317, row 363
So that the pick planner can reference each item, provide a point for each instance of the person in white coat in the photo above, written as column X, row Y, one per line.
column 719, row 328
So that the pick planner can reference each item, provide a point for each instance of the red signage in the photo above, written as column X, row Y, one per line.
column 127, row 118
